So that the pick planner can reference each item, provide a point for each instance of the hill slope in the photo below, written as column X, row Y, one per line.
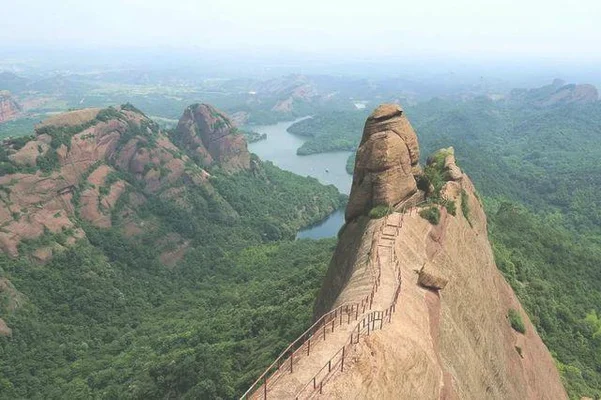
column 443, row 321
column 130, row 269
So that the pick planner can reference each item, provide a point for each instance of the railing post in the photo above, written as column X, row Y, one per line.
column 314, row 384
column 357, row 312
column 324, row 332
column 368, row 324
column 308, row 346
column 333, row 322
column 330, row 366
column 342, row 362
column 321, row 387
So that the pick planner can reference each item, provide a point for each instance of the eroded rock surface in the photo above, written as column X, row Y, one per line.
column 387, row 160
column 9, row 108
column 95, row 165
column 212, row 137
column 449, row 337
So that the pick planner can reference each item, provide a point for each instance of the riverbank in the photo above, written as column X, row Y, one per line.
column 280, row 147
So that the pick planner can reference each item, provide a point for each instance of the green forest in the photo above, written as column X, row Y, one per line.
column 334, row 131
column 105, row 318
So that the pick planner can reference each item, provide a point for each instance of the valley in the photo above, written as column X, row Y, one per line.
column 216, row 258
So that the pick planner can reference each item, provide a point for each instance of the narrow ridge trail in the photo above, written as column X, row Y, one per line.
column 297, row 372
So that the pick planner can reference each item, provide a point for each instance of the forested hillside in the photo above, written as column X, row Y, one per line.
column 182, row 298
column 144, row 272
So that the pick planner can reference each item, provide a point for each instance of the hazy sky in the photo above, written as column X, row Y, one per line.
column 554, row 29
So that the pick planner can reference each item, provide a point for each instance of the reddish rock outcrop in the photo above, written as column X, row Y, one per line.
column 4, row 329
column 448, row 335
column 210, row 136
column 386, row 162
column 9, row 108
column 76, row 182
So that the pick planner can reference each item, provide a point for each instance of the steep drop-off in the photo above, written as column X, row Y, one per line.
column 446, row 334
column 92, row 174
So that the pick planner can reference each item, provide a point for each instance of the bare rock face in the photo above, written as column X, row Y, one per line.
column 567, row 94
column 4, row 329
column 386, row 162
column 70, row 118
column 78, row 178
column 449, row 336
column 9, row 108
column 431, row 276
column 211, row 136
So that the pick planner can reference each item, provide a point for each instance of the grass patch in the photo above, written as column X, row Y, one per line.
column 432, row 214
column 380, row 211
column 515, row 319
column 465, row 206
column 451, row 207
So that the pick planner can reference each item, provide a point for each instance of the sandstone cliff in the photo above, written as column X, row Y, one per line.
column 435, row 305
column 96, row 165
column 9, row 108
column 387, row 160
column 212, row 138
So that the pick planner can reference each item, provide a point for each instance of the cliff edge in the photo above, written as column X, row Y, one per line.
column 413, row 306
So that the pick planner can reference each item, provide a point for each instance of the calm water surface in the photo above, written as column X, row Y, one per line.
column 329, row 168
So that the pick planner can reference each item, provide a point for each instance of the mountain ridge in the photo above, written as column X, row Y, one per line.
column 451, row 333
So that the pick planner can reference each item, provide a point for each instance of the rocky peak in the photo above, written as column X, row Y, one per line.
column 430, row 268
column 387, row 160
column 556, row 93
column 9, row 108
column 211, row 137
column 79, row 166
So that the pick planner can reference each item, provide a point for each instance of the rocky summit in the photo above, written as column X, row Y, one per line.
column 556, row 94
column 413, row 305
column 211, row 138
column 386, row 163
column 95, row 165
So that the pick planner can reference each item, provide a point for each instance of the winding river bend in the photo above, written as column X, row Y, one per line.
column 329, row 168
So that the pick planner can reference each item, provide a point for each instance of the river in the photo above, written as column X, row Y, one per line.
column 329, row 168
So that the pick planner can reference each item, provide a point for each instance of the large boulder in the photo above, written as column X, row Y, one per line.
column 431, row 276
column 387, row 159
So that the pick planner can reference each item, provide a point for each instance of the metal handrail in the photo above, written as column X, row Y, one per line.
column 382, row 314
column 308, row 334
column 292, row 349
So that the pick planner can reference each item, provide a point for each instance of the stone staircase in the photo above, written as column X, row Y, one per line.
column 298, row 373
